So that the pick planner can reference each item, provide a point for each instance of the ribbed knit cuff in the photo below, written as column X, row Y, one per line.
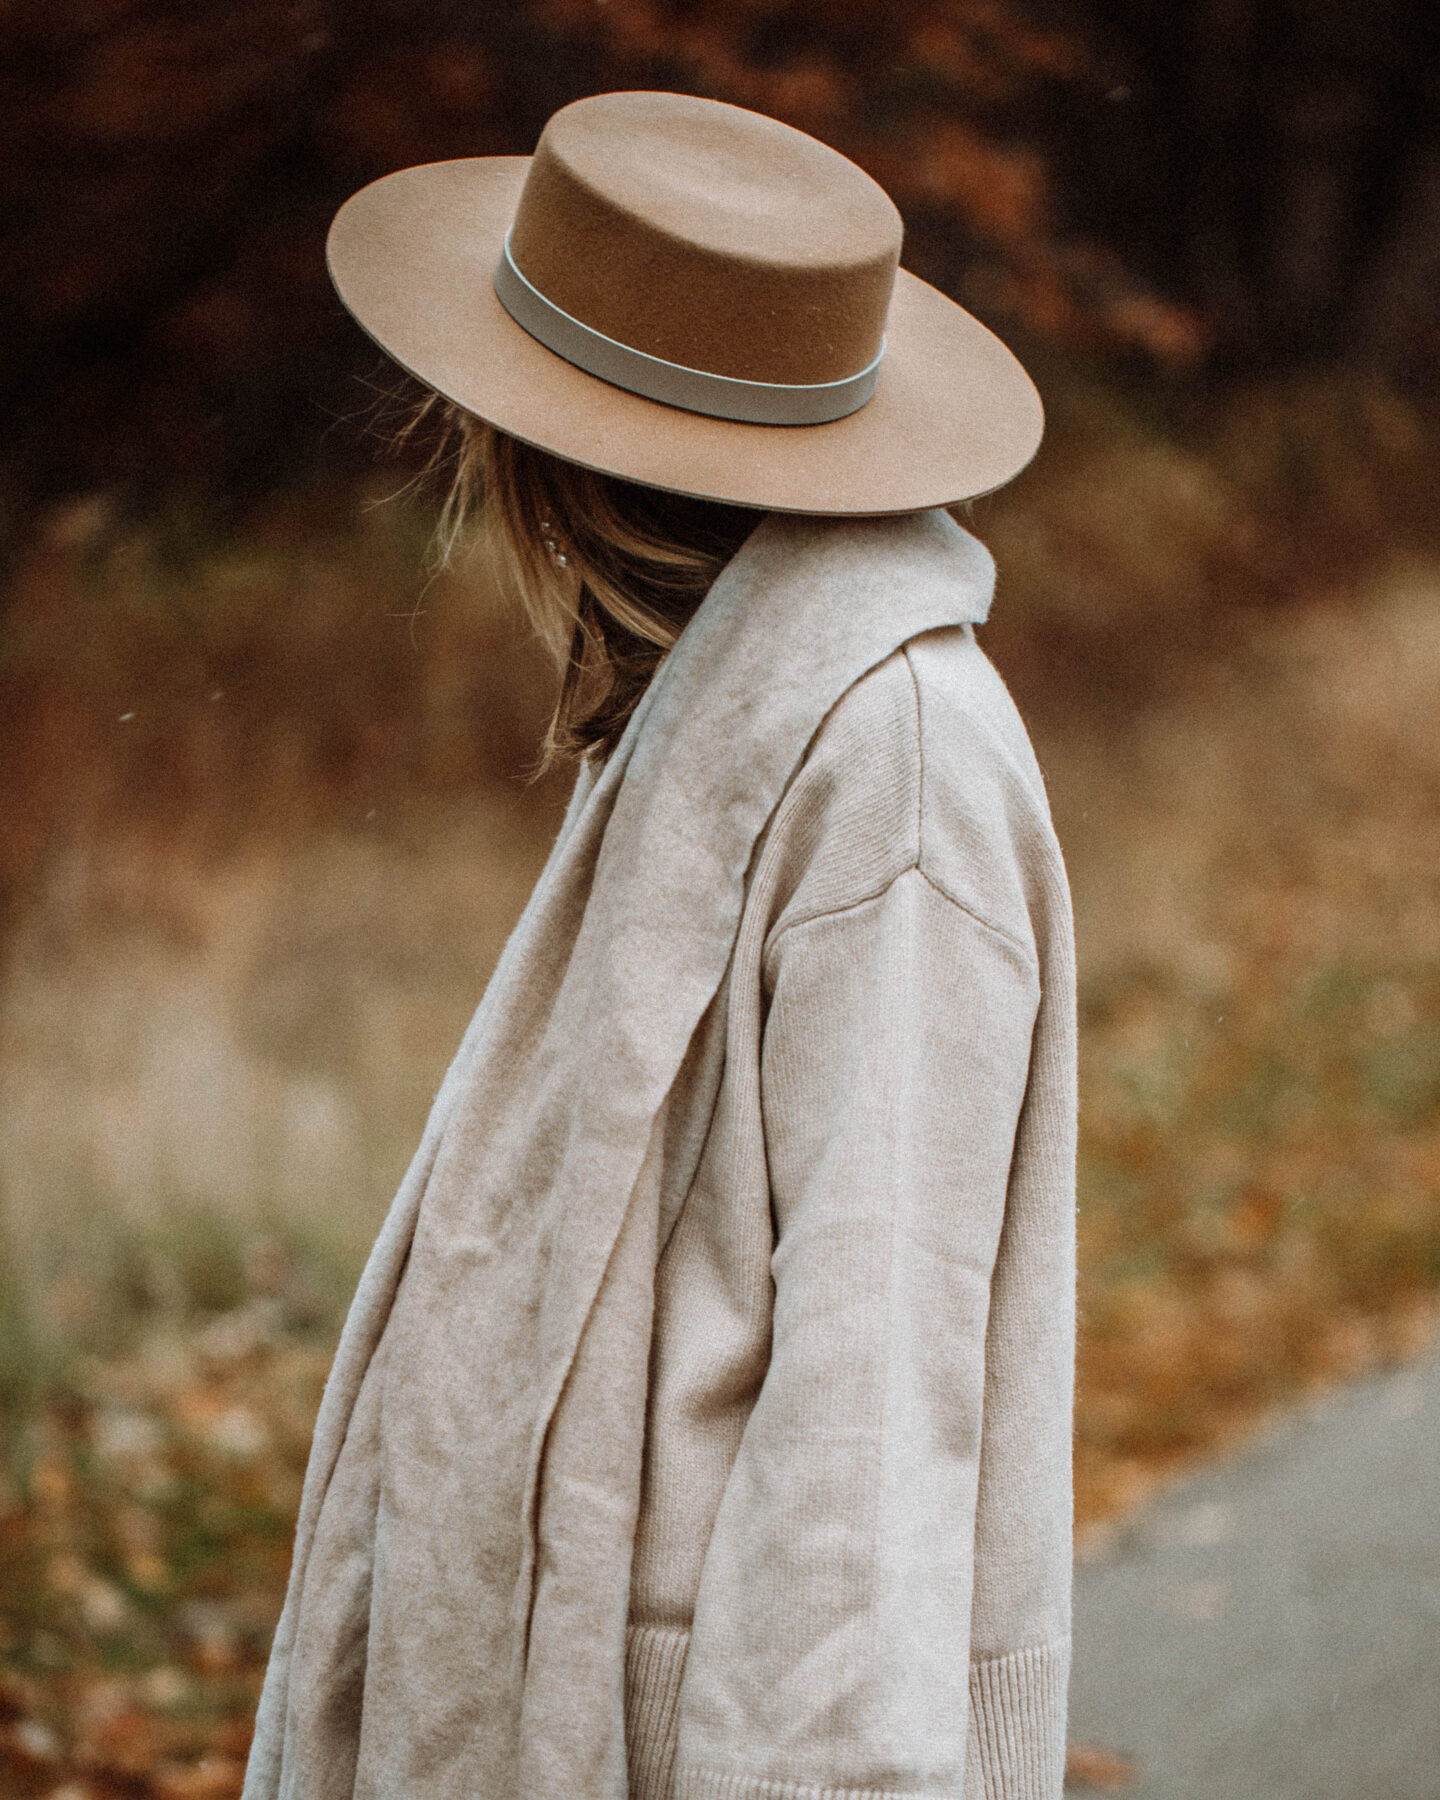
column 654, row 1664
column 709, row 1784
column 1017, row 1729
column 1017, row 1717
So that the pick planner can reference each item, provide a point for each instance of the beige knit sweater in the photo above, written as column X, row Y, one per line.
column 702, row 1426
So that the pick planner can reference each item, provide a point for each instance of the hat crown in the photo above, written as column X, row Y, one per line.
column 709, row 236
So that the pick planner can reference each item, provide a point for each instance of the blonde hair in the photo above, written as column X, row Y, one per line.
column 609, row 572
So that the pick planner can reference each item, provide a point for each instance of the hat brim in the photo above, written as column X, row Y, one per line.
column 412, row 257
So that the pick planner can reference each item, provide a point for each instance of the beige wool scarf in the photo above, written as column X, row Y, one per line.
column 455, row 1623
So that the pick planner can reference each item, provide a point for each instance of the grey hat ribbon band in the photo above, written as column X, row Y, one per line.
column 696, row 390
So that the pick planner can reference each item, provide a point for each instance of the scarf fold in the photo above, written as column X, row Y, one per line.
column 455, row 1622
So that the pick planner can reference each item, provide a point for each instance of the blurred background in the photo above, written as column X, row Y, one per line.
column 266, row 796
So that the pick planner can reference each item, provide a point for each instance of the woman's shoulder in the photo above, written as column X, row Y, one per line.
column 923, row 764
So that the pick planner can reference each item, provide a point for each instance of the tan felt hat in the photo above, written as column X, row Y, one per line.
column 694, row 297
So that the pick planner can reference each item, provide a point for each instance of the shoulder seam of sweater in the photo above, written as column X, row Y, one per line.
column 1008, row 938
column 917, row 860
column 919, row 757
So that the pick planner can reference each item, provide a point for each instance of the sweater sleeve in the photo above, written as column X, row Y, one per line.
column 830, row 1656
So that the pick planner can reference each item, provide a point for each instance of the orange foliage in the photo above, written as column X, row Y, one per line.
column 171, row 171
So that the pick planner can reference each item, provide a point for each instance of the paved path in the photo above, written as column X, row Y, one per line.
column 1272, row 1630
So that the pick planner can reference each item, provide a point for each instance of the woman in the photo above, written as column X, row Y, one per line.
column 701, row 1425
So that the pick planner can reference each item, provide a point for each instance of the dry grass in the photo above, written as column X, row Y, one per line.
column 245, row 933
column 264, row 825
column 1257, row 873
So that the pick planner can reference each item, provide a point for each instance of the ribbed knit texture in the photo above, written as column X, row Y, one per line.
column 1017, row 1713
column 1017, row 1728
column 706, row 1784
column 654, row 1664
